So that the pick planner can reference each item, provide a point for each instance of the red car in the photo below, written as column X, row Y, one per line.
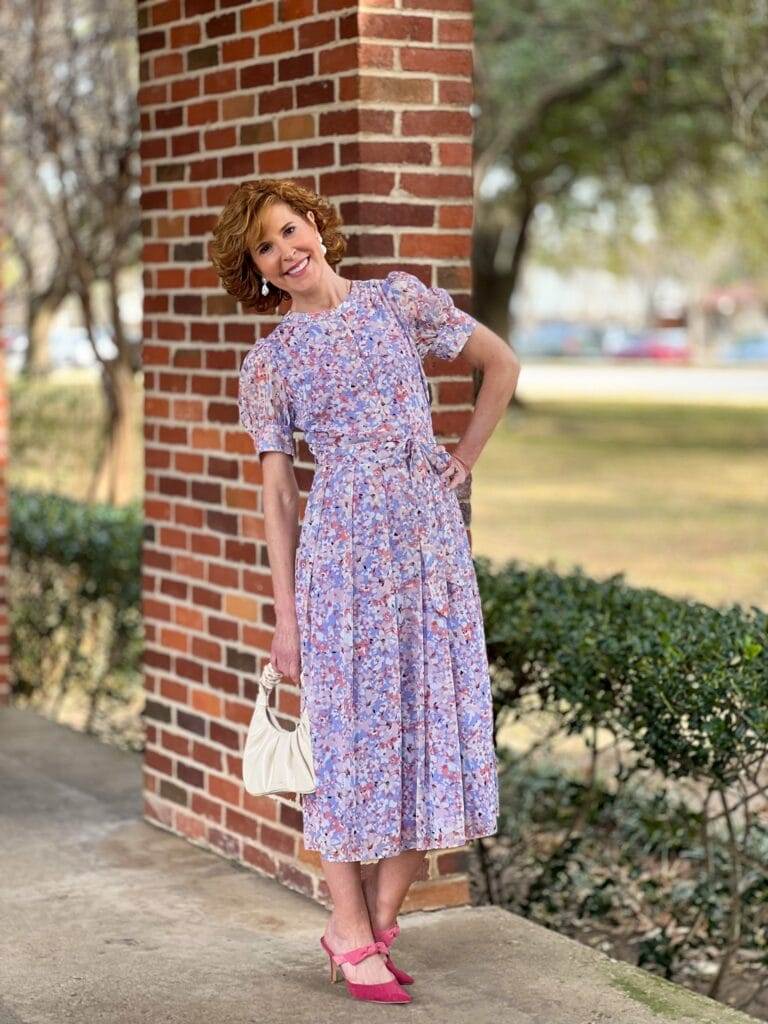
column 669, row 345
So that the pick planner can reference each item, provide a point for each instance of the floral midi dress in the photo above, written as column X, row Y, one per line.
column 394, row 670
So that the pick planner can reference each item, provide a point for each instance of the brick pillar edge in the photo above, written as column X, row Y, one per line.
column 369, row 105
column 5, row 673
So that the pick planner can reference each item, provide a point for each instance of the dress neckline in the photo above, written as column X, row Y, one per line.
column 317, row 314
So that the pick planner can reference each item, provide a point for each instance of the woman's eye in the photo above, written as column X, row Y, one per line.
column 266, row 245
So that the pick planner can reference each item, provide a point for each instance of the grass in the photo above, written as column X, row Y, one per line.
column 673, row 495
column 56, row 433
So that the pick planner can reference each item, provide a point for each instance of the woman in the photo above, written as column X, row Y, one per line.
column 378, row 606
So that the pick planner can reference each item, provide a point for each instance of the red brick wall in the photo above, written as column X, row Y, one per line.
column 5, row 682
column 368, row 105
column 5, row 676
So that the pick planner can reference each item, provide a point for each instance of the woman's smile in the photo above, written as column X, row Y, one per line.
column 298, row 269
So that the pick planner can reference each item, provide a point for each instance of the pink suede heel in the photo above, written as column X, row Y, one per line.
column 384, row 992
column 388, row 936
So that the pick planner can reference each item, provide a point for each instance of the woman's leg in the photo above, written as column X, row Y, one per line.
column 386, row 884
column 349, row 926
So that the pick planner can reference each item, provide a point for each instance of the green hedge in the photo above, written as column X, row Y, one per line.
column 103, row 541
column 661, row 829
column 685, row 683
column 75, row 611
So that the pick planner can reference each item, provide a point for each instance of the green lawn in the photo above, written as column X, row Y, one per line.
column 675, row 496
column 56, row 433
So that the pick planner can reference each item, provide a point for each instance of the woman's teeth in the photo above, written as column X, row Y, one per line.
column 297, row 270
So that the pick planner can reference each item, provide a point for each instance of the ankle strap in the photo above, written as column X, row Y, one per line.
column 354, row 956
column 388, row 935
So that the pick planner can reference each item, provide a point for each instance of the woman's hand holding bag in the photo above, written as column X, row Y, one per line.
column 276, row 760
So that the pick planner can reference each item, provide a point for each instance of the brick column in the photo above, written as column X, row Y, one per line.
column 368, row 104
column 5, row 680
column 5, row 674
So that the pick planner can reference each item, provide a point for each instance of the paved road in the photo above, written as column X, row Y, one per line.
column 646, row 382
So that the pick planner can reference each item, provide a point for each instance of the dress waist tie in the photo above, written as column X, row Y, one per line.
column 425, row 459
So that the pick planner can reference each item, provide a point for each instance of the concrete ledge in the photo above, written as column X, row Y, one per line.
column 108, row 919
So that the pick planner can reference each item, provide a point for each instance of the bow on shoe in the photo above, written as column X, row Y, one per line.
column 356, row 955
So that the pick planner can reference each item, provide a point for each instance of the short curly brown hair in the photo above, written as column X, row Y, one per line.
column 240, row 220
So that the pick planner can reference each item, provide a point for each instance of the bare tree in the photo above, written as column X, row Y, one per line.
column 42, row 283
column 70, row 150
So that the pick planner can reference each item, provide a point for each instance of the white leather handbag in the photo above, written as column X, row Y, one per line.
column 276, row 760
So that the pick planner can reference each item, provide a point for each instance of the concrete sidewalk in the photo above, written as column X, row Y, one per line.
column 105, row 918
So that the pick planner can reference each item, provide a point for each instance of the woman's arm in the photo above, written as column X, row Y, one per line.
column 487, row 351
column 280, row 495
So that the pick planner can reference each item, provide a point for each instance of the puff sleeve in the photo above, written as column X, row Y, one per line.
column 263, row 402
column 437, row 326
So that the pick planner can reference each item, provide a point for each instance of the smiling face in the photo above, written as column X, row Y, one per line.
column 288, row 242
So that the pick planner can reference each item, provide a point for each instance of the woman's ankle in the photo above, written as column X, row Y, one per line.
column 382, row 918
column 382, row 914
column 356, row 932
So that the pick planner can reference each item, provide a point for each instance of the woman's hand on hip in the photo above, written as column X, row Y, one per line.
column 455, row 473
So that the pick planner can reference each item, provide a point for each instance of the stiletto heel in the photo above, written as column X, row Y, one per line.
column 384, row 992
column 388, row 936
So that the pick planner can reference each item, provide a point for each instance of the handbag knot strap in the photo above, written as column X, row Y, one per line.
column 270, row 677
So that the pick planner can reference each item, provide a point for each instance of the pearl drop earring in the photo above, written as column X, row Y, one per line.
column 323, row 247
column 264, row 286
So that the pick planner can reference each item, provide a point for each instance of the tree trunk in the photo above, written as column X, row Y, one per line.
column 113, row 479
column 498, row 260
column 41, row 308
column 39, row 319
column 498, row 256
column 493, row 293
column 696, row 323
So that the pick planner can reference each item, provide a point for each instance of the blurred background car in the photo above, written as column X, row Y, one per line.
column 750, row 348
column 668, row 344
column 558, row 338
